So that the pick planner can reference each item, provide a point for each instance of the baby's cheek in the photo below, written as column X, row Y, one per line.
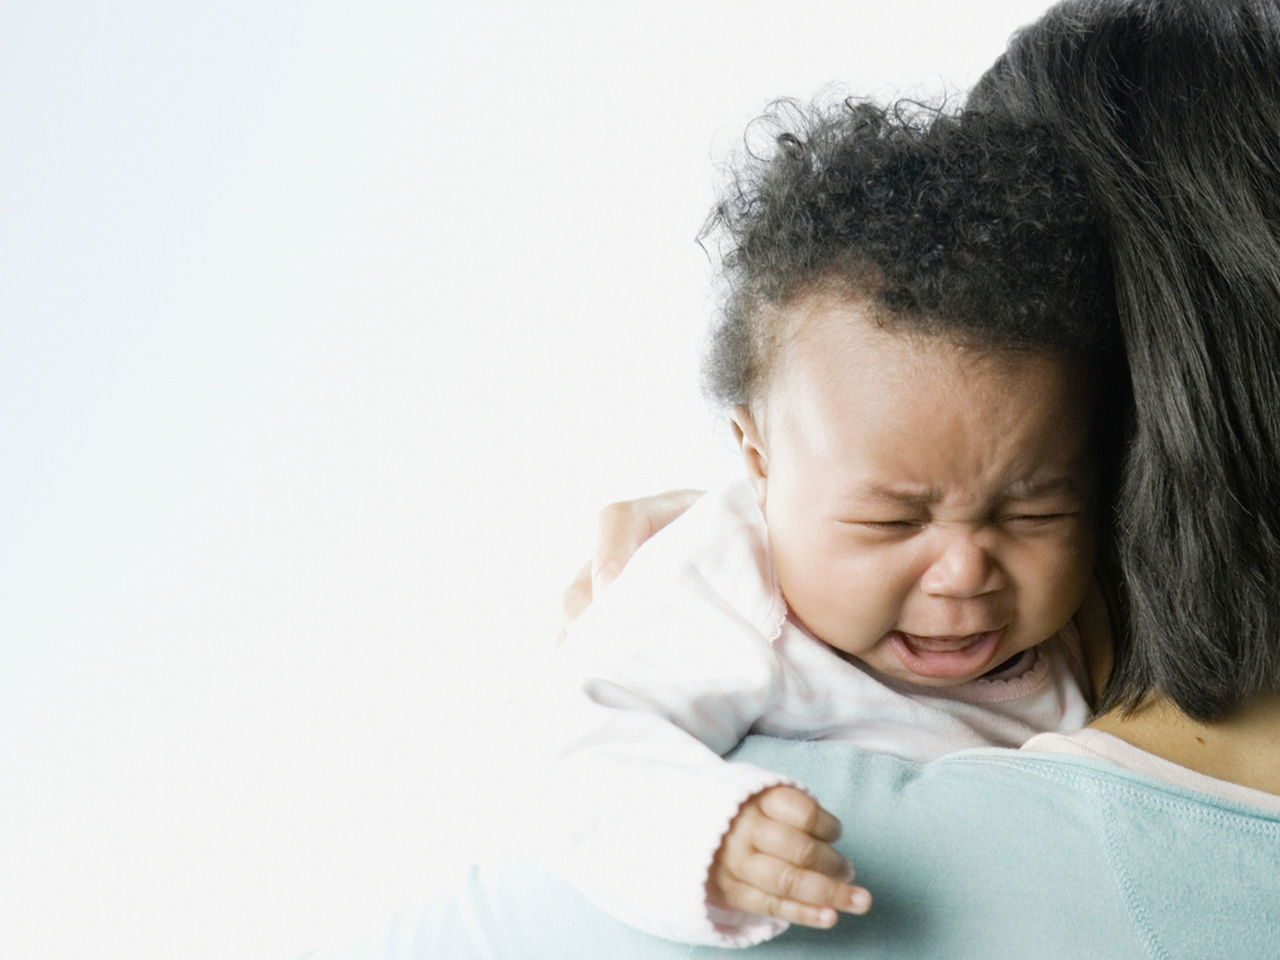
column 1065, row 571
column 842, row 603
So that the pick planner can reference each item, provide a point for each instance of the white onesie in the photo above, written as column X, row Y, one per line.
column 685, row 654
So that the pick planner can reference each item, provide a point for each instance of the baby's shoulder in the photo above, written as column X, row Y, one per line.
column 722, row 535
column 717, row 553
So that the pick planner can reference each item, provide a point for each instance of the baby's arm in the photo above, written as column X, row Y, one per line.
column 636, row 797
column 667, row 672
column 777, row 860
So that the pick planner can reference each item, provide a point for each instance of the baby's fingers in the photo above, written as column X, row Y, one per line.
column 787, row 882
column 750, row 899
column 797, row 809
column 780, row 889
column 799, row 849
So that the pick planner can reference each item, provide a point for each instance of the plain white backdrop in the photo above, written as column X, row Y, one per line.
column 325, row 330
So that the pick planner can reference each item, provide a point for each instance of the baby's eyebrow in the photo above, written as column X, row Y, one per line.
column 910, row 495
column 907, row 495
column 1044, row 487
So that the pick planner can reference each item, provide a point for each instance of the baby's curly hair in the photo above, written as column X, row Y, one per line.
column 957, row 225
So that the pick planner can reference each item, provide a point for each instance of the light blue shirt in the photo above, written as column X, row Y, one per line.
column 986, row 854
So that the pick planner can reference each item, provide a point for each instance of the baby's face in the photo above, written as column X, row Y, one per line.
column 930, row 507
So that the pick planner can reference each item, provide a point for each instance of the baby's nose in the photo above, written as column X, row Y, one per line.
column 963, row 567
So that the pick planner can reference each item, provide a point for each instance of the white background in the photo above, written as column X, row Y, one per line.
column 325, row 329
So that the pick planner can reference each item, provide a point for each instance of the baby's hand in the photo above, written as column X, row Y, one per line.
column 777, row 860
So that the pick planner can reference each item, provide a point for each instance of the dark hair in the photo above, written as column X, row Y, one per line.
column 982, row 231
column 1172, row 109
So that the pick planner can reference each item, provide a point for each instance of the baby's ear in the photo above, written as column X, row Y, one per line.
column 752, row 446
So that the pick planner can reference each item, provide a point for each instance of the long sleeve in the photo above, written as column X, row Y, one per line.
column 669, row 669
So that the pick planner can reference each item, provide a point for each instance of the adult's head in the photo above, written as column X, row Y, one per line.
column 1172, row 110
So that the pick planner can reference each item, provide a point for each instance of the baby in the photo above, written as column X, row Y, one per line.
column 915, row 352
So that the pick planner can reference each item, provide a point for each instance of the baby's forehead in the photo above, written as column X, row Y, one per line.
column 842, row 367
column 855, row 327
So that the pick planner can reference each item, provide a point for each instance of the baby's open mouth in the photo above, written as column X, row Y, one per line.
column 954, row 658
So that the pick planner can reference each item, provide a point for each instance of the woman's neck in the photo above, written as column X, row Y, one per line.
column 1242, row 747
